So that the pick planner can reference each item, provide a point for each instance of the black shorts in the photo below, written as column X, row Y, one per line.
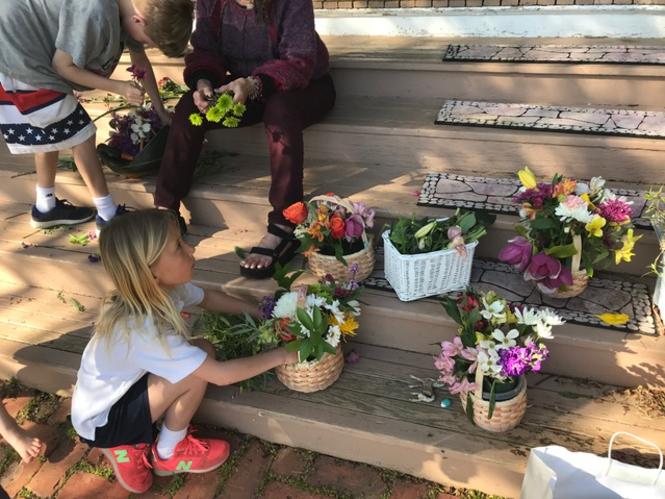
column 129, row 420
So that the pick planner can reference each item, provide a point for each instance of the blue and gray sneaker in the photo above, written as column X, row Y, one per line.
column 64, row 213
column 101, row 223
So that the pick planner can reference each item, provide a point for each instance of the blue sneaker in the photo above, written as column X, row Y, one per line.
column 64, row 213
column 101, row 223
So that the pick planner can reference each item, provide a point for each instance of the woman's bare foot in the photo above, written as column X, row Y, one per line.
column 270, row 241
column 27, row 447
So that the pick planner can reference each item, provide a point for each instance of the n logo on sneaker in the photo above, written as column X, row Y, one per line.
column 121, row 456
column 184, row 466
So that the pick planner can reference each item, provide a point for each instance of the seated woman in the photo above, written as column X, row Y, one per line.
column 268, row 54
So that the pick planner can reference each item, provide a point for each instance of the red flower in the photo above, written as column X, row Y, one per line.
column 296, row 213
column 337, row 226
column 470, row 304
column 283, row 330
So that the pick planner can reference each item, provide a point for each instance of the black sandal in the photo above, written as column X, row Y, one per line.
column 282, row 254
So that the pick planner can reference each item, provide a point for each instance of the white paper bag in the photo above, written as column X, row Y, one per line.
column 554, row 472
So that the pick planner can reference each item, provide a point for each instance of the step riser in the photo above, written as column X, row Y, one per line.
column 503, row 82
column 245, row 215
column 401, row 330
column 542, row 88
column 472, row 150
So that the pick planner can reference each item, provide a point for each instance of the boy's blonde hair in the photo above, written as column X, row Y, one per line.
column 128, row 245
column 168, row 23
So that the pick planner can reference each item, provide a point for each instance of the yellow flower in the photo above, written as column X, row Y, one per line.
column 196, row 119
column 626, row 254
column 349, row 326
column 614, row 319
column 595, row 227
column 527, row 178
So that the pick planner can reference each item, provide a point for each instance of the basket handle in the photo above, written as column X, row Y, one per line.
column 479, row 383
column 646, row 442
column 344, row 203
column 577, row 257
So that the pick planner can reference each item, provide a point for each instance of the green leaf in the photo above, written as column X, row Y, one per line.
column 469, row 407
column 542, row 223
column 563, row 251
column 240, row 252
column 490, row 412
column 467, row 221
column 450, row 305
column 293, row 346
column 305, row 319
column 339, row 253
column 305, row 350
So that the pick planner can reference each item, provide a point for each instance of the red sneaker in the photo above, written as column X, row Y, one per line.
column 131, row 466
column 192, row 455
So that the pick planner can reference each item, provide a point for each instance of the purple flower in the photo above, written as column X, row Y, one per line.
column 517, row 361
column 352, row 357
column 536, row 197
column 366, row 213
column 616, row 210
column 548, row 272
column 136, row 72
column 266, row 306
column 354, row 227
column 517, row 253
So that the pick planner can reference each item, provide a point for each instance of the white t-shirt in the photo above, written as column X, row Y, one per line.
column 109, row 369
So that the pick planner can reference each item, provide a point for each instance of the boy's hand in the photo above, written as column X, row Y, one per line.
column 133, row 92
column 202, row 95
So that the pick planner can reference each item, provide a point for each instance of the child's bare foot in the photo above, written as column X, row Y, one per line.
column 27, row 447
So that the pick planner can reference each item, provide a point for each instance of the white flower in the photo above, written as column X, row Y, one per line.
column 314, row 301
column 355, row 306
column 135, row 138
column 333, row 336
column 527, row 316
column 573, row 211
column 506, row 340
column 488, row 345
column 286, row 306
column 581, row 188
column 494, row 310
column 597, row 184
column 547, row 319
column 488, row 363
column 333, row 308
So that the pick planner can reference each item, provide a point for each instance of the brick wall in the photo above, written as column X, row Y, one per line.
column 394, row 4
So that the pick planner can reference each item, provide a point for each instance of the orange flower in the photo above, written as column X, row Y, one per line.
column 309, row 251
column 315, row 231
column 565, row 187
column 322, row 213
column 296, row 213
column 337, row 226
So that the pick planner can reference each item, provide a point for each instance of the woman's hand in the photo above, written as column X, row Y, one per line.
column 242, row 88
column 132, row 91
column 202, row 95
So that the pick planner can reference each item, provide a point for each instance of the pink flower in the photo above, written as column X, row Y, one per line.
column 452, row 348
column 454, row 231
column 463, row 386
column 616, row 210
column 354, row 227
column 448, row 379
column 470, row 354
column 548, row 272
column 517, row 253
column 574, row 202
column 366, row 213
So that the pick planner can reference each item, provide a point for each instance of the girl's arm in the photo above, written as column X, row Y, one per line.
column 218, row 301
column 236, row 370
column 63, row 64
column 140, row 60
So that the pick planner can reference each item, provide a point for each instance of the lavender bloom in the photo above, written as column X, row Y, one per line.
column 266, row 306
column 517, row 361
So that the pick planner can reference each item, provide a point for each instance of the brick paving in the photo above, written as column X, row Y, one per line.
column 256, row 469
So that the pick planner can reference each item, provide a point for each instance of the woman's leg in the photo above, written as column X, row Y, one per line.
column 286, row 115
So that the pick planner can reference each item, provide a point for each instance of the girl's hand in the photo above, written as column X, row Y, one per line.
column 202, row 95
column 133, row 92
column 164, row 116
column 289, row 357
column 241, row 88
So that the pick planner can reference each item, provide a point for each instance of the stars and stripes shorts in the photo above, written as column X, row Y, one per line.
column 38, row 120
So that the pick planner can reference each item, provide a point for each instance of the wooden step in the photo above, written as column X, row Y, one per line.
column 408, row 67
column 369, row 415
column 49, row 260
column 234, row 195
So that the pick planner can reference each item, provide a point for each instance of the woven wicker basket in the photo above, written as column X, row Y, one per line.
column 580, row 277
column 312, row 376
column 322, row 265
column 507, row 414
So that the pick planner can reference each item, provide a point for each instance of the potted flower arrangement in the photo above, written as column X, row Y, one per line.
column 430, row 257
column 486, row 363
column 333, row 236
column 655, row 211
column 137, row 139
column 566, row 230
column 311, row 319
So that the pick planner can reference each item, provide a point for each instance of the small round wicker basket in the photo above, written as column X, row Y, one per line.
column 507, row 414
column 580, row 277
column 321, row 265
column 312, row 376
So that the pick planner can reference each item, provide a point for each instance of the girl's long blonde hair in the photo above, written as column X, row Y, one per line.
column 129, row 245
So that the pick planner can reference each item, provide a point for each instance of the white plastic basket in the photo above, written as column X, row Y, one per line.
column 426, row 274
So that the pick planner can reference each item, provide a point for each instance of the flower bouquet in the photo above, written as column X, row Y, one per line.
column 496, row 346
column 137, row 138
column 429, row 257
column 222, row 109
column 567, row 229
column 655, row 211
column 333, row 236
column 312, row 320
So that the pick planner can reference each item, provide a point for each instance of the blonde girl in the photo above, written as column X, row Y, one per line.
column 141, row 366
